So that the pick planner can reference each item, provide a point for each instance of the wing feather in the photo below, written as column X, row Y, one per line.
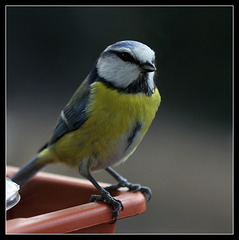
column 73, row 115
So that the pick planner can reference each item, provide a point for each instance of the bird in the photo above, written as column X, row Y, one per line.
column 105, row 120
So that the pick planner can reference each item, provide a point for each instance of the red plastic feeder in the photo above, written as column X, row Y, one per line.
column 58, row 204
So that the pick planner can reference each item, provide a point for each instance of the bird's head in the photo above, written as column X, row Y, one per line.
column 127, row 64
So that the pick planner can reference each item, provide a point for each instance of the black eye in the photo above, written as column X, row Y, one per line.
column 126, row 57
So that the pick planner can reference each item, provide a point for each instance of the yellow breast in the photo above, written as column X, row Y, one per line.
column 110, row 117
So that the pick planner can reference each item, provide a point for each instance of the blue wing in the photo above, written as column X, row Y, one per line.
column 69, row 120
column 73, row 115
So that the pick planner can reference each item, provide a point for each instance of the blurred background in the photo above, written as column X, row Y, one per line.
column 186, row 157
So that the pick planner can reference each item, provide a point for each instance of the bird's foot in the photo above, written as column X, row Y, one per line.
column 114, row 203
column 132, row 187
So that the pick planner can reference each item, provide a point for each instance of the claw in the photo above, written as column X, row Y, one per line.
column 132, row 187
column 121, row 205
column 114, row 203
column 147, row 192
column 135, row 187
column 115, row 216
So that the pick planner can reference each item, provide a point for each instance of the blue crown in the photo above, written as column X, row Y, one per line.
column 126, row 43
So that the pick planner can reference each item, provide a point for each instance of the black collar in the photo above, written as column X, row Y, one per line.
column 139, row 85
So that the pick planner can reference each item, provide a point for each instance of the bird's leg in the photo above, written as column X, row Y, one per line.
column 122, row 182
column 105, row 196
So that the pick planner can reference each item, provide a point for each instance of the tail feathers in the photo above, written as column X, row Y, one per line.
column 27, row 171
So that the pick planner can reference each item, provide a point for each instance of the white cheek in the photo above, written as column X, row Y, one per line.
column 151, row 80
column 144, row 53
column 120, row 73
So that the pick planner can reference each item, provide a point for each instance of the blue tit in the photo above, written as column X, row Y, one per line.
column 105, row 120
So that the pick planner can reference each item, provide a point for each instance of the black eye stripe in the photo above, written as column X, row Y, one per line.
column 125, row 56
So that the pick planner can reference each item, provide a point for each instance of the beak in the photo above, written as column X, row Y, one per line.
column 147, row 67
